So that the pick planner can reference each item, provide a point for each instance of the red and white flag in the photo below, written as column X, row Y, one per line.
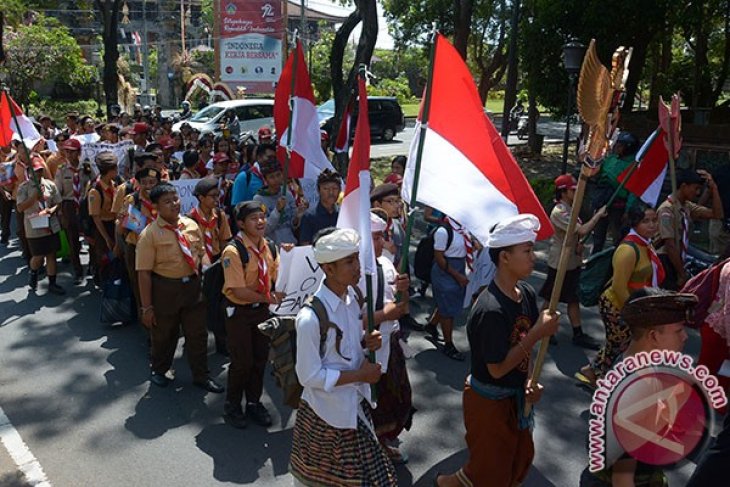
column 355, row 208
column 647, row 180
column 467, row 171
column 307, row 157
column 342, row 143
column 9, row 130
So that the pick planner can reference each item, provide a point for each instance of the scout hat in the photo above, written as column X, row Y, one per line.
column 204, row 186
column 383, row 191
column 105, row 159
column 654, row 307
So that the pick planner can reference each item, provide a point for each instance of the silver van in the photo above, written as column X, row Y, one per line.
column 252, row 114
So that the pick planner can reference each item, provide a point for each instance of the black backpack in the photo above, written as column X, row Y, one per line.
column 86, row 221
column 213, row 280
column 423, row 260
column 596, row 275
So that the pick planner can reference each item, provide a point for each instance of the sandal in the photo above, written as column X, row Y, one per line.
column 584, row 380
column 451, row 352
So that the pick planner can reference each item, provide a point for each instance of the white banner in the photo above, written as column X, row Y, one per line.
column 120, row 149
column 186, row 187
column 299, row 278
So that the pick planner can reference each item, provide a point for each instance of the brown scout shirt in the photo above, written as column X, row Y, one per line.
column 235, row 276
column 102, row 207
column 670, row 221
column 221, row 231
column 65, row 182
column 158, row 249
column 131, row 237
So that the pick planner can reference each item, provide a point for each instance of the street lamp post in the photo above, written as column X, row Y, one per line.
column 170, row 77
column 573, row 53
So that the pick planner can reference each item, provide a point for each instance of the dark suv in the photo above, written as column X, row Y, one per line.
column 385, row 113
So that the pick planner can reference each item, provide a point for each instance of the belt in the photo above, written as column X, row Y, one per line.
column 249, row 306
column 496, row 393
column 184, row 280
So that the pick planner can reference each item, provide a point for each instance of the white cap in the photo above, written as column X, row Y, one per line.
column 515, row 230
column 337, row 245
column 377, row 224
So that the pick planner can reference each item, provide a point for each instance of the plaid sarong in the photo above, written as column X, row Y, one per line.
column 326, row 456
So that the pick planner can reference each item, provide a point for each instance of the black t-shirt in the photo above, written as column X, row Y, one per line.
column 496, row 324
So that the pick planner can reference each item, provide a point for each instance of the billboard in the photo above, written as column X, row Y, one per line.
column 252, row 37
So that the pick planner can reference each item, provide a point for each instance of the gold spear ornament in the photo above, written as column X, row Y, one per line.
column 600, row 95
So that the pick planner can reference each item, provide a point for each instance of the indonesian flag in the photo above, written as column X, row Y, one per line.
column 355, row 208
column 647, row 180
column 467, row 171
column 342, row 144
column 24, row 130
column 307, row 157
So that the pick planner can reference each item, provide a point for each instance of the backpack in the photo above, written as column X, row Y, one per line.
column 281, row 330
column 85, row 219
column 596, row 274
column 423, row 260
column 705, row 286
column 213, row 281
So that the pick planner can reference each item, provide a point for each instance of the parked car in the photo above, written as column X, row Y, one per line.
column 385, row 114
column 251, row 113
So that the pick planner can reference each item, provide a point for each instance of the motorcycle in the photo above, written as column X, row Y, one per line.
column 522, row 127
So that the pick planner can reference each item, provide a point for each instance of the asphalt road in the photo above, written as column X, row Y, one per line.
column 78, row 394
column 553, row 131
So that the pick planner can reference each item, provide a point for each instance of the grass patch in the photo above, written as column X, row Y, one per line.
column 411, row 110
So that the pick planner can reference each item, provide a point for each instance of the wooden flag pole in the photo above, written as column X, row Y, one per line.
column 295, row 63
column 419, row 157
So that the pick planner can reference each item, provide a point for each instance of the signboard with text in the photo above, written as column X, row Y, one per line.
column 252, row 36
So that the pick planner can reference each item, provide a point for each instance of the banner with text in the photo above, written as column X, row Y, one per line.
column 250, row 52
column 299, row 278
column 120, row 149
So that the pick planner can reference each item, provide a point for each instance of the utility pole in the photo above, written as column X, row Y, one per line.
column 182, row 24
column 510, row 93
column 145, row 55
column 303, row 25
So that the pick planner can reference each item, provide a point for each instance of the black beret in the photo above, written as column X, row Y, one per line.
column 659, row 308
column 204, row 186
column 148, row 172
column 383, row 191
column 245, row 208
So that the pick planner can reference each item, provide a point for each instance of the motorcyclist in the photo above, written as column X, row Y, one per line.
column 186, row 112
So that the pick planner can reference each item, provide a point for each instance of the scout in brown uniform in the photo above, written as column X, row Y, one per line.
column 169, row 255
column 71, row 181
column 23, row 159
column 142, row 160
column 43, row 241
column 676, row 214
column 147, row 179
column 190, row 160
column 248, row 292
column 216, row 232
column 101, row 197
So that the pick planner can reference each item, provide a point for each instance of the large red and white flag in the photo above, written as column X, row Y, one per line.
column 355, row 208
column 307, row 157
column 647, row 180
column 467, row 171
column 342, row 143
column 9, row 130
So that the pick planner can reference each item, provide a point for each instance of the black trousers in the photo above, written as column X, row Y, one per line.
column 6, row 211
column 714, row 465
column 249, row 350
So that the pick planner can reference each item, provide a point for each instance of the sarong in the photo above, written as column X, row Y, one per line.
column 395, row 403
column 326, row 456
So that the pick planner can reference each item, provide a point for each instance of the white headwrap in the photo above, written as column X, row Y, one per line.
column 337, row 245
column 377, row 224
column 515, row 230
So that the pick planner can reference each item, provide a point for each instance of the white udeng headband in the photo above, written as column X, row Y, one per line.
column 337, row 245
column 515, row 230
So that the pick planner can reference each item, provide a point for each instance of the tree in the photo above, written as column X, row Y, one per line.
column 343, row 86
column 43, row 51
column 109, row 10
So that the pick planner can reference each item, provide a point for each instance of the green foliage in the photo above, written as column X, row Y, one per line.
column 408, row 64
column 205, row 60
column 544, row 189
column 393, row 87
column 57, row 110
column 319, row 70
column 44, row 51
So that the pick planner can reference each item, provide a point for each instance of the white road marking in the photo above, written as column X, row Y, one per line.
column 21, row 454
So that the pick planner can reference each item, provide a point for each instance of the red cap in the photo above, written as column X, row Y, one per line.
column 38, row 164
column 324, row 136
column 72, row 144
column 264, row 132
column 220, row 157
column 167, row 143
column 139, row 128
column 565, row 181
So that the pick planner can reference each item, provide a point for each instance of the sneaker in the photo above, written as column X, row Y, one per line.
column 233, row 415
column 56, row 289
column 451, row 352
column 258, row 413
column 585, row 341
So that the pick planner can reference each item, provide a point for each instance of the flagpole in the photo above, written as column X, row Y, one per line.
column 285, row 187
column 419, row 156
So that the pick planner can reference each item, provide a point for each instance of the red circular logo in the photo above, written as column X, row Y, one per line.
column 659, row 418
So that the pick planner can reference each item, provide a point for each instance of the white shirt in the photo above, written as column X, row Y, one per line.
column 387, row 328
column 457, row 249
column 483, row 274
column 336, row 405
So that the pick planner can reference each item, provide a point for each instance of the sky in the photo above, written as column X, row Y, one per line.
column 385, row 41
